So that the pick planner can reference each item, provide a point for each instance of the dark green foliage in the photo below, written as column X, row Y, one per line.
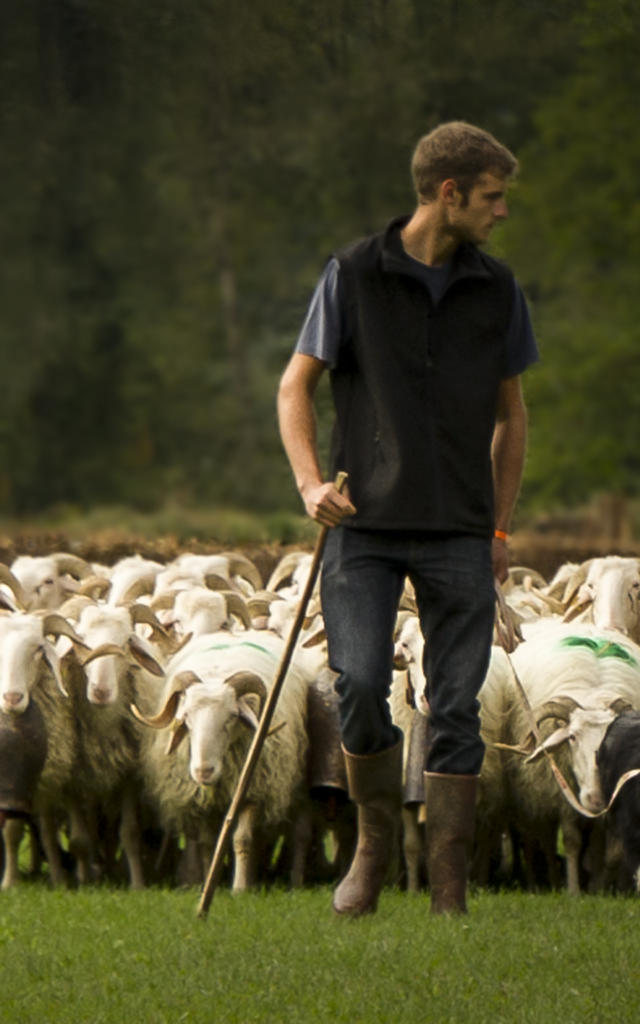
column 575, row 240
column 176, row 173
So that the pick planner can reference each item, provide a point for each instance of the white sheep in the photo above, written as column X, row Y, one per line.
column 290, row 575
column 196, row 610
column 121, row 668
column 606, row 592
column 132, row 577
column 46, row 580
column 215, row 690
column 30, row 671
column 575, row 677
column 230, row 569
column 528, row 597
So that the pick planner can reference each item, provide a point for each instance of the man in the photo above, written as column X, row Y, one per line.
column 426, row 337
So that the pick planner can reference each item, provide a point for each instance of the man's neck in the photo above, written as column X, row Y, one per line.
column 426, row 238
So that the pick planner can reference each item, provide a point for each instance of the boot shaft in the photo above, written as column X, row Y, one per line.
column 450, row 805
column 375, row 785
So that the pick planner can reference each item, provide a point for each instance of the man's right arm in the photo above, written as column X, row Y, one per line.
column 296, row 417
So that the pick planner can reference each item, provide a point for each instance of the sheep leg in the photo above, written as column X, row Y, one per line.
column 530, row 849
column 550, row 849
column 573, row 873
column 244, row 848
column 80, row 844
column 130, row 838
column 594, row 858
column 302, row 832
column 572, row 835
column 35, row 850
column 12, row 836
column 206, row 847
column 345, row 837
column 192, row 868
column 413, row 846
column 49, row 835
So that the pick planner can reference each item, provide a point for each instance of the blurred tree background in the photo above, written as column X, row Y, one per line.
column 176, row 172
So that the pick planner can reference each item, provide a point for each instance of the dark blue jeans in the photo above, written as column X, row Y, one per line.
column 362, row 579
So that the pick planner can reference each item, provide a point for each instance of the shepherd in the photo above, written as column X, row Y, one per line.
column 425, row 337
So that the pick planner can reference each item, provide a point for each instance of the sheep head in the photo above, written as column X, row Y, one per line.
column 24, row 645
column 583, row 733
column 204, row 711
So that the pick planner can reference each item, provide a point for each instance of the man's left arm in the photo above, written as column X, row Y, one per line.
column 507, row 456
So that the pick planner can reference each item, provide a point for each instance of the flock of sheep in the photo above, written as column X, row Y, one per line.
column 150, row 679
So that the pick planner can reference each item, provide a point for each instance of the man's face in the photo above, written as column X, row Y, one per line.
column 486, row 205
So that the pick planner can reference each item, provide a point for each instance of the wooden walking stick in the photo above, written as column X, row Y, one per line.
column 265, row 721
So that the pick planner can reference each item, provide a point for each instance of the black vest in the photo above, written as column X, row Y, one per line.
column 415, row 388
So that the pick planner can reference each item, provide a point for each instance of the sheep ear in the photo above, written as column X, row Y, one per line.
column 246, row 712
column 50, row 655
column 619, row 706
column 236, row 605
column 143, row 656
column 178, row 733
column 552, row 741
column 316, row 638
column 183, row 643
column 64, row 646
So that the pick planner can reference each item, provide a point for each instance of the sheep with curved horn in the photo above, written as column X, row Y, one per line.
column 121, row 667
column 46, row 580
column 576, row 679
column 239, row 571
column 214, row 693
column 30, row 672
column 292, row 570
column 608, row 595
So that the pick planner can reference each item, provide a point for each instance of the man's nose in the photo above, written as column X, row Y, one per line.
column 501, row 209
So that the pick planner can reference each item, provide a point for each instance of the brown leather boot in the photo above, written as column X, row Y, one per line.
column 375, row 785
column 450, row 802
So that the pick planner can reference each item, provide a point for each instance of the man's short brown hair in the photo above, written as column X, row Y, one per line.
column 460, row 151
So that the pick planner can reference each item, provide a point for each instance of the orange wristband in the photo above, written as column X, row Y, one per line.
column 501, row 535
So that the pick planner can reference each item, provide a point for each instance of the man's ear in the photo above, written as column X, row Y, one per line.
column 449, row 190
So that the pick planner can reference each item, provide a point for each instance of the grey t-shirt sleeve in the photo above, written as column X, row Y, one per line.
column 521, row 347
column 322, row 329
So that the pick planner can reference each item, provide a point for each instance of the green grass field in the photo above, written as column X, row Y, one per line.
column 99, row 956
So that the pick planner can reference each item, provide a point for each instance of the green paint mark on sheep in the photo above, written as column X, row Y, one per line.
column 601, row 648
column 242, row 643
